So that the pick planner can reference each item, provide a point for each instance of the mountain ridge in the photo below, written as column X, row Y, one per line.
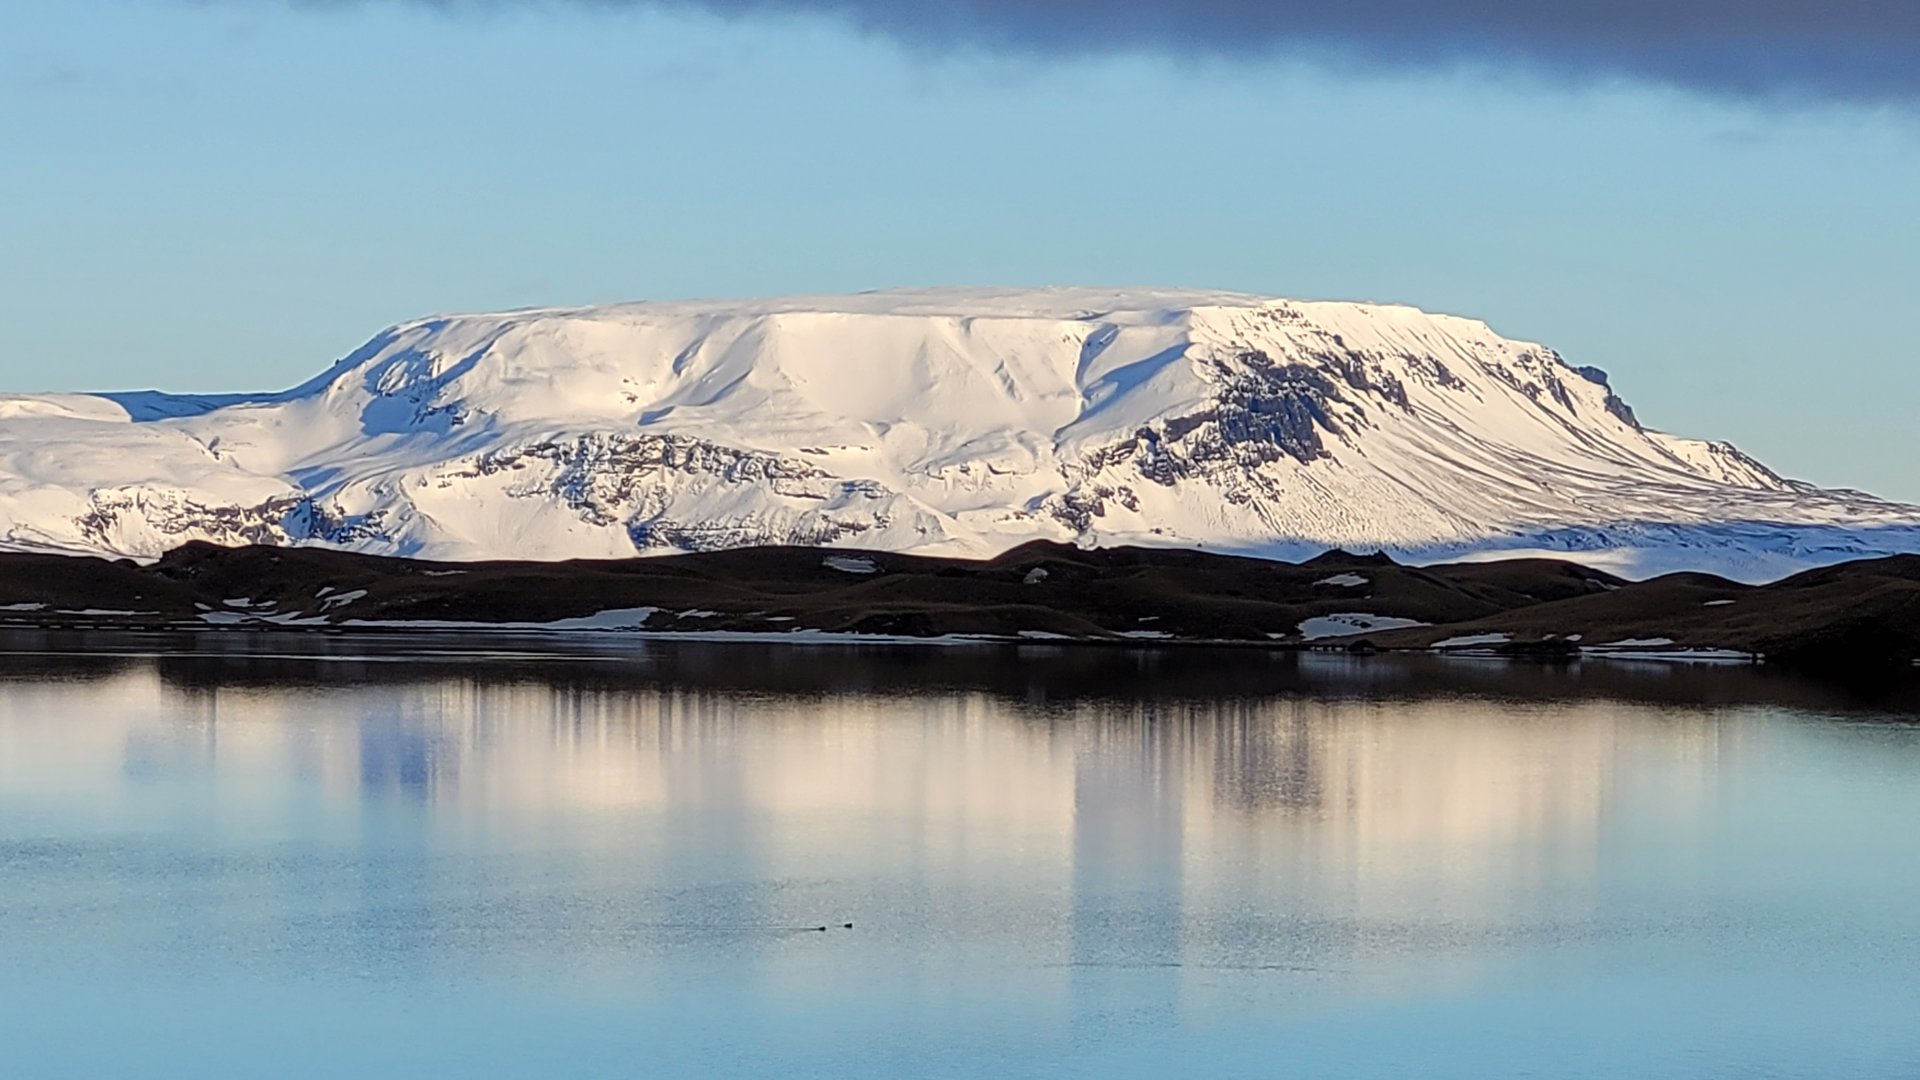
column 947, row 421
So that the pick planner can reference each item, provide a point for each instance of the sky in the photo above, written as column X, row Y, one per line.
column 1720, row 207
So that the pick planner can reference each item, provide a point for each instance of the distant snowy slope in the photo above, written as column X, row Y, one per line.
column 957, row 421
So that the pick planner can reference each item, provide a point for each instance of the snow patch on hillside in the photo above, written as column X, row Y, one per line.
column 1345, row 623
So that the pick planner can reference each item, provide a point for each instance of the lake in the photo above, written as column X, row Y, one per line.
column 308, row 855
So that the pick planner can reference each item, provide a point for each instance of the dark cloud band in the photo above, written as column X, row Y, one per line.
column 1836, row 50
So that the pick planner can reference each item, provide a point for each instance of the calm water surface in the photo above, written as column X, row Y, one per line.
column 222, row 859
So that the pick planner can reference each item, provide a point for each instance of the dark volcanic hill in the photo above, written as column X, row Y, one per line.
column 1862, row 613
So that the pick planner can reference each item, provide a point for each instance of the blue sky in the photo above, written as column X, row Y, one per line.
column 227, row 194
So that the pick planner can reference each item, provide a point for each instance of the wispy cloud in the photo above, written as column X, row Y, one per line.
column 34, row 76
column 1864, row 51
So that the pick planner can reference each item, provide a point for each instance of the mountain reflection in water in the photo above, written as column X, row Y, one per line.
column 1055, row 860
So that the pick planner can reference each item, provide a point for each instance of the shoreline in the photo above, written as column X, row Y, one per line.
column 806, row 638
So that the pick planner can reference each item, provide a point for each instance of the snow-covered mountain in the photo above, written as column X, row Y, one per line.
column 944, row 421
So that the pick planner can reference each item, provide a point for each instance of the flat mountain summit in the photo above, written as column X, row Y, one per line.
column 954, row 422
